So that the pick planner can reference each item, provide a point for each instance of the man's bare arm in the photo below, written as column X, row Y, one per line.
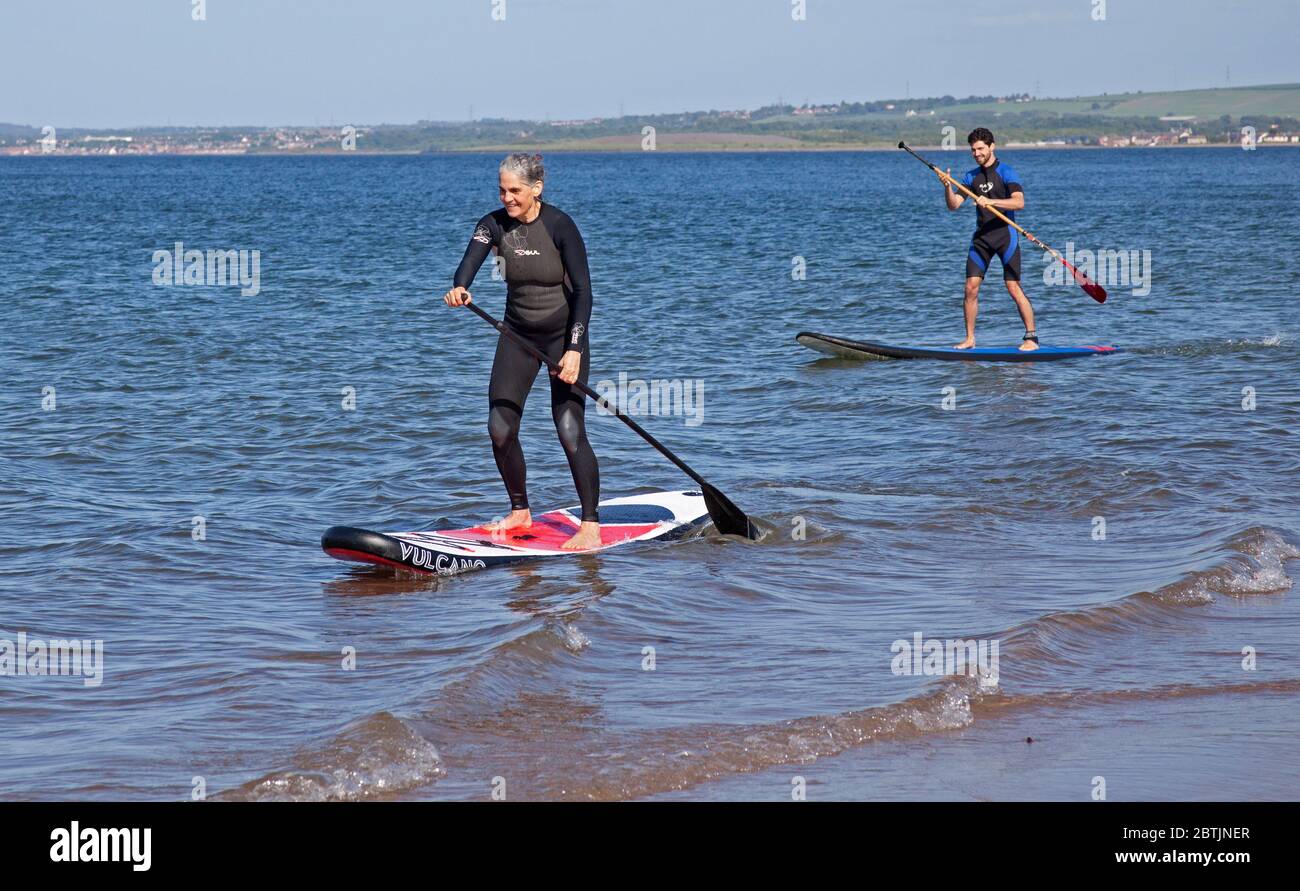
column 953, row 199
column 1015, row 202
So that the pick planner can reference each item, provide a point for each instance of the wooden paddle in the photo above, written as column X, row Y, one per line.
column 727, row 518
column 1090, row 287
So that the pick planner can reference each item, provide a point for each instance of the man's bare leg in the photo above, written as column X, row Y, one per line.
column 1026, row 310
column 971, row 308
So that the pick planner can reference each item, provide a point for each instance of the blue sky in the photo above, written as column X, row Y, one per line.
column 119, row 63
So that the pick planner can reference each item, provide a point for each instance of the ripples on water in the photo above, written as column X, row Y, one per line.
column 224, row 657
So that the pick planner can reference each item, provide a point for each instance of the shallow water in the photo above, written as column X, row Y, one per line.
column 887, row 514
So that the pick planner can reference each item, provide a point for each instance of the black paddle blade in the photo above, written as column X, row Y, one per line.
column 727, row 518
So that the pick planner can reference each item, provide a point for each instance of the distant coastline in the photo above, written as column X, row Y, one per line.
column 671, row 148
column 1269, row 114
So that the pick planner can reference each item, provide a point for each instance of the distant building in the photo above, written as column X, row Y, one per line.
column 817, row 109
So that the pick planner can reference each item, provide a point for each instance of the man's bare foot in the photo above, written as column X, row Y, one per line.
column 1028, row 345
column 965, row 344
column 518, row 519
column 588, row 537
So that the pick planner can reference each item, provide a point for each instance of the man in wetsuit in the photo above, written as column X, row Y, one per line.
column 548, row 302
column 995, row 185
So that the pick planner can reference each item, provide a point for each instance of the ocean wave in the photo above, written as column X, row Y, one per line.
column 1227, row 347
column 376, row 757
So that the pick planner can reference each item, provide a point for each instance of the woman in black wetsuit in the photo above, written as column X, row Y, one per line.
column 548, row 301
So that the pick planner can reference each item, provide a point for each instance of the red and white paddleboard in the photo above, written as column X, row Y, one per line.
column 657, row 515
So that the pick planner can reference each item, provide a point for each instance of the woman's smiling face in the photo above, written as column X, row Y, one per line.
column 517, row 197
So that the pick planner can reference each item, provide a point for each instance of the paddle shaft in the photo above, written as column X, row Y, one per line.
column 583, row 388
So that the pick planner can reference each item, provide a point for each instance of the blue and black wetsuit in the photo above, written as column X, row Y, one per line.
column 992, row 236
column 548, row 301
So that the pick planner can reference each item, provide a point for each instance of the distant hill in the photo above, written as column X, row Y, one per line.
column 1274, row 100
column 16, row 131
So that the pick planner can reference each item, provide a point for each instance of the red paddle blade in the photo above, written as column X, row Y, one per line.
column 1090, row 287
column 1095, row 291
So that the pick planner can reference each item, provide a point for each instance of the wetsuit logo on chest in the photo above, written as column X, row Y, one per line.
column 517, row 242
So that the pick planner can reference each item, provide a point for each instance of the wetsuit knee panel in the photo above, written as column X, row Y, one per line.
column 503, row 425
column 571, row 426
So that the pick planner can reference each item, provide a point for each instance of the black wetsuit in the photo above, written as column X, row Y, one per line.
column 548, row 301
column 992, row 236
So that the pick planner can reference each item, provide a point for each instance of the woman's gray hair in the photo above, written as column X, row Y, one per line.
column 527, row 167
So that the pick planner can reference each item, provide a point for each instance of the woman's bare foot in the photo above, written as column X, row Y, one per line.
column 518, row 519
column 588, row 537
column 1028, row 345
column 965, row 344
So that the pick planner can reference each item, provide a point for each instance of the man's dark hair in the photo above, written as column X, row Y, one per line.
column 980, row 134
